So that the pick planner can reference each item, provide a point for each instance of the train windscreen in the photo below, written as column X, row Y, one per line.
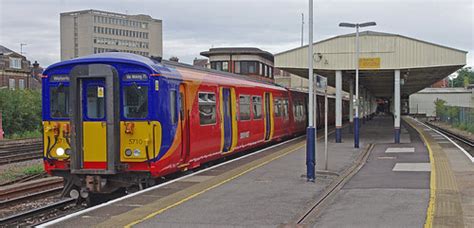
column 135, row 101
column 59, row 101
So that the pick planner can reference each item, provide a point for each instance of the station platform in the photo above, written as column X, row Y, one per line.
column 391, row 187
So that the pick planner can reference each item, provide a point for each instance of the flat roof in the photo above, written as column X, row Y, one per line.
column 238, row 51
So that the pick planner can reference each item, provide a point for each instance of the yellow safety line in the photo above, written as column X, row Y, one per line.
column 431, row 205
column 213, row 186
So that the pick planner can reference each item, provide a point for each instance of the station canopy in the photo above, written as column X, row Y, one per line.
column 420, row 63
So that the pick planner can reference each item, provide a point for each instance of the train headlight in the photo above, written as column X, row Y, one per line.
column 60, row 151
column 68, row 151
column 136, row 152
column 128, row 152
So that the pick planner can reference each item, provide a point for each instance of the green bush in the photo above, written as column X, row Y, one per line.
column 21, row 112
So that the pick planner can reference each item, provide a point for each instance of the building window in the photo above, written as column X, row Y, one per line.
column 237, row 67
column 257, row 107
column 21, row 84
column 220, row 65
column 207, row 108
column 248, row 67
column 270, row 69
column 260, row 69
column 244, row 107
column 11, row 83
column 15, row 63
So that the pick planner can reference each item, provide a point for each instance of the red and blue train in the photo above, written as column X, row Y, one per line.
column 113, row 120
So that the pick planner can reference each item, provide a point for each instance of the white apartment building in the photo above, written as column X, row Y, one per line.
column 92, row 31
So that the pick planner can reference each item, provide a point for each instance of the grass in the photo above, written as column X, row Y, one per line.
column 24, row 135
column 16, row 172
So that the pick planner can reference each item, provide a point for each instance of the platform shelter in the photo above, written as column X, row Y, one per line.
column 391, row 67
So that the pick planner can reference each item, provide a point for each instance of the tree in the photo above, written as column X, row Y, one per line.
column 464, row 78
column 21, row 110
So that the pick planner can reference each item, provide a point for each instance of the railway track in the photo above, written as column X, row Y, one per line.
column 42, row 214
column 21, row 150
column 28, row 193
column 466, row 143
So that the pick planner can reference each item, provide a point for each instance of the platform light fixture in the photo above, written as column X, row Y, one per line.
column 356, row 114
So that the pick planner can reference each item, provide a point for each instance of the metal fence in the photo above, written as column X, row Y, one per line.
column 460, row 117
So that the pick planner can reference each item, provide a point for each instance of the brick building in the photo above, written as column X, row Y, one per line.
column 14, row 70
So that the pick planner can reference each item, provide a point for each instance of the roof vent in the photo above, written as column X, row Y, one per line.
column 156, row 58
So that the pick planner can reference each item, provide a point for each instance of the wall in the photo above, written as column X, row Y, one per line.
column 423, row 101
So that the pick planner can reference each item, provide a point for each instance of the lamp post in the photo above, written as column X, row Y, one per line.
column 356, row 116
column 310, row 131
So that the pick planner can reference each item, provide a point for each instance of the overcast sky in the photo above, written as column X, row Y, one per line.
column 192, row 26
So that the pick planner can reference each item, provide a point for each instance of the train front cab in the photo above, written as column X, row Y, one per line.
column 97, row 123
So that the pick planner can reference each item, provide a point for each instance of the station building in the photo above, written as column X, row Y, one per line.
column 423, row 101
column 248, row 61
column 93, row 31
column 392, row 67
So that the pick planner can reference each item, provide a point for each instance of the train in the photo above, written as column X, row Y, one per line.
column 115, row 120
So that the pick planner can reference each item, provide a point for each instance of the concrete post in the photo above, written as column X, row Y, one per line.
column 362, row 107
column 351, row 104
column 338, row 105
column 396, row 105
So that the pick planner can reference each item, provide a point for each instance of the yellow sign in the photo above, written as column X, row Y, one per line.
column 100, row 92
column 369, row 63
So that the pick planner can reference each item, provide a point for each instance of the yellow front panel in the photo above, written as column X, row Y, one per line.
column 94, row 141
column 141, row 139
column 58, row 142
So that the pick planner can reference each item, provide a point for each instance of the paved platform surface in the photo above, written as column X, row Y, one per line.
column 380, row 194
column 452, row 188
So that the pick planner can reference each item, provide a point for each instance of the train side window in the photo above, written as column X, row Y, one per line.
column 277, row 107
column 207, row 108
column 257, row 107
column 181, row 108
column 244, row 107
column 284, row 107
column 173, row 116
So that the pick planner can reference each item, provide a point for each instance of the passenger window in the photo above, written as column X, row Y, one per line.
column 173, row 118
column 257, row 107
column 284, row 107
column 207, row 108
column 277, row 107
column 95, row 102
column 244, row 107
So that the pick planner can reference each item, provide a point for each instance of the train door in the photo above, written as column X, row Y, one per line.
column 94, row 124
column 267, row 116
column 95, row 114
column 227, row 119
column 184, row 124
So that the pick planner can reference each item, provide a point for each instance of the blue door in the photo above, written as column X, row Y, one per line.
column 227, row 119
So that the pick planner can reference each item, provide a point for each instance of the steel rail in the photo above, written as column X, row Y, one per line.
column 452, row 135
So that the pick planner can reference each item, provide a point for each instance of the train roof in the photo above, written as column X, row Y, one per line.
column 162, row 67
column 120, row 57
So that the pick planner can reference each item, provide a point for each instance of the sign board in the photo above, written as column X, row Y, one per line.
column 369, row 63
column 321, row 82
column 100, row 92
